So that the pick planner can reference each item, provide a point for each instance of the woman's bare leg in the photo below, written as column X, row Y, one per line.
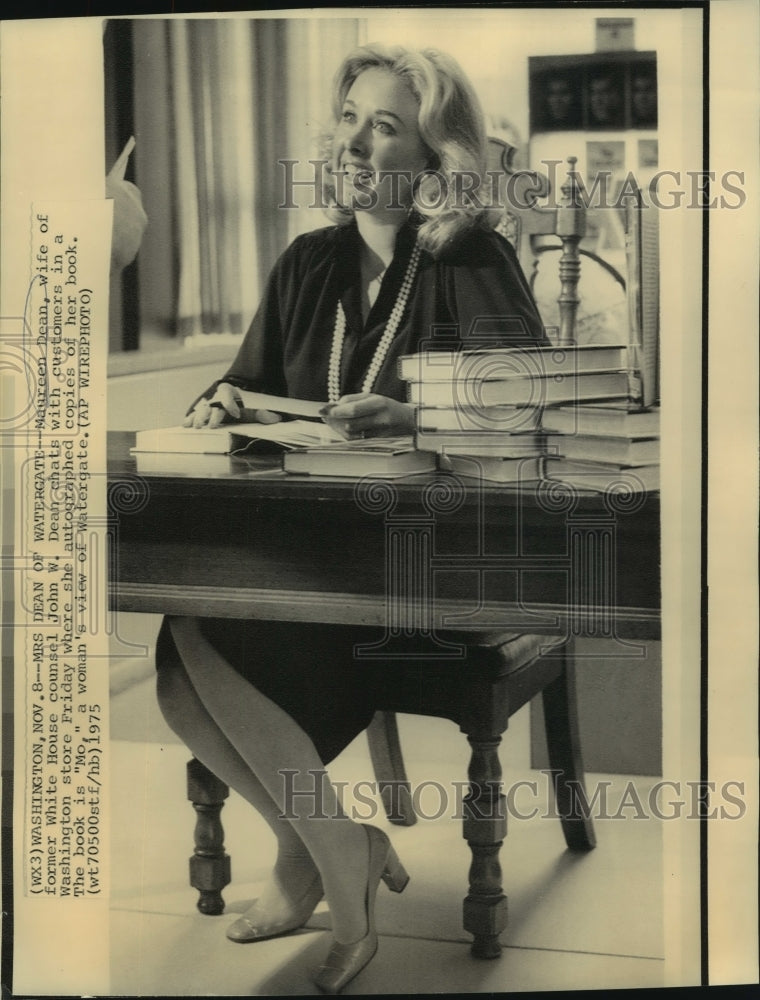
column 184, row 713
column 271, row 742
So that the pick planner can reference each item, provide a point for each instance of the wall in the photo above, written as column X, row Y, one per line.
column 156, row 398
column 619, row 709
column 493, row 46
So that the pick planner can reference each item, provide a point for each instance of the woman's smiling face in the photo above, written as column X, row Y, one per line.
column 378, row 150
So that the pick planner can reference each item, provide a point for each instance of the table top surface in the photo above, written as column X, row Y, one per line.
column 262, row 476
column 227, row 536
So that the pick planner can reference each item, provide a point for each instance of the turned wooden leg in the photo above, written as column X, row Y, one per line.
column 390, row 773
column 565, row 759
column 209, row 865
column 485, row 827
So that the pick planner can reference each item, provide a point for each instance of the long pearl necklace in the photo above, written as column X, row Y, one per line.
column 339, row 332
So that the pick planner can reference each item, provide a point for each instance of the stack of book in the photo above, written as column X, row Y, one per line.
column 602, row 448
column 481, row 411
column 505, row 416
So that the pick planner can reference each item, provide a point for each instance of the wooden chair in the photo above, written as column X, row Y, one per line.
column 499, row 673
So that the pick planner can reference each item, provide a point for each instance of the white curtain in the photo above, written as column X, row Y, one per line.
column 239, row 95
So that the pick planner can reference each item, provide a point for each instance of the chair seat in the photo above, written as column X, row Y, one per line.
column 507, row 651
column 496, row 673
column 495, row 655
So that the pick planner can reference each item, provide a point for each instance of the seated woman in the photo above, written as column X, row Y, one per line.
column 409, row 257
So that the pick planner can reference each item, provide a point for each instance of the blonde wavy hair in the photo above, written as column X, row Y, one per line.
column 451, row 124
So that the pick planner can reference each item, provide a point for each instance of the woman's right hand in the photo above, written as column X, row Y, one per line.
column 223, row 407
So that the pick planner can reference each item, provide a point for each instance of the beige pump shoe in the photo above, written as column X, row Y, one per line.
column 255, row 925
column 345, row 961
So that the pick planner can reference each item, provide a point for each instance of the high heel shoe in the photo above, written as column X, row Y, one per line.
column 345, row 961
column 255, row 925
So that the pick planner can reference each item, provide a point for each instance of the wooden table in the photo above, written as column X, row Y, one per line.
column 434, row 554
column 308, row 549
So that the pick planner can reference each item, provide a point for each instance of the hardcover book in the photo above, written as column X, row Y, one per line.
column 601, row 420
column 484, row 443
column 493, row 469
column 511, row 362
column 602, row 476
column 381, row 457
column 593, row 448
column 520, row 391
column 478, row 420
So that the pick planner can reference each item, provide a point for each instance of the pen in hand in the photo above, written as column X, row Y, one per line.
column 255, row 416
column 227, row 415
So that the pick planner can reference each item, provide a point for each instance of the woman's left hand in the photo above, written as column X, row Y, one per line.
column 365, row 414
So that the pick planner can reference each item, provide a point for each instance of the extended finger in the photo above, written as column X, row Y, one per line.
column 226, row 395
column 266, row 417
column 201, row 414
column 217, row 416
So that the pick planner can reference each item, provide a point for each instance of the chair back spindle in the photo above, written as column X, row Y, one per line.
column 525, row 223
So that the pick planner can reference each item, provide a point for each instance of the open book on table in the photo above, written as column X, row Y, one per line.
column 234, row 438
column 237, row 437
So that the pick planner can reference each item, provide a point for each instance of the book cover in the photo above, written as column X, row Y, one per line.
column 601, row 420
column 233, row 437
column 602, row 476
column 205, row 466
column 492, row 469
column 478, row 420
column 480, row 443
column 526, row 391
column 511, row 362
column 600, row 448
column 381, row 457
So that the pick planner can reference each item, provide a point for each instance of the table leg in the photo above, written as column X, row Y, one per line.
column 209, row 865
column 485, row 827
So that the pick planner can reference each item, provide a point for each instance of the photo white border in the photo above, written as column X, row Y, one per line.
column 45, row 93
